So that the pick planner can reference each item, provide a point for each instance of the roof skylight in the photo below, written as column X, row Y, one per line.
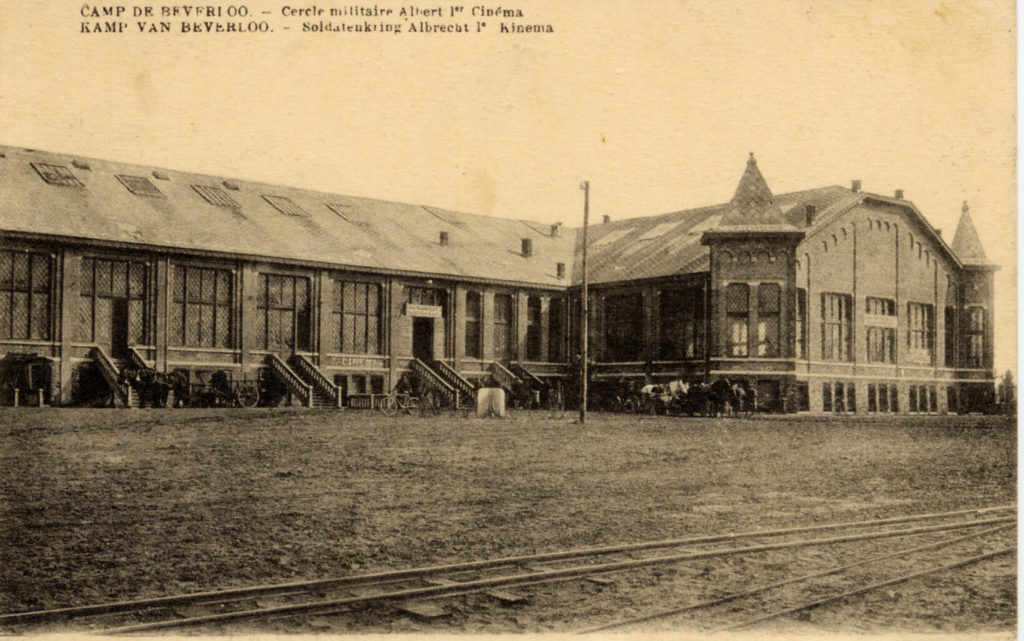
column 451, row 220
column 611, row 237
column 56, row 175
column 215, row 196
column 285, row 205
column 140, row 186
column 346, row 213
column 659, row 230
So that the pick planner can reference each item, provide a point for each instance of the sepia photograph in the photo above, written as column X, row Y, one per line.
column 673, row 319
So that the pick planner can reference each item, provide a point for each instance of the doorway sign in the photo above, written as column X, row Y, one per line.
column 423, row 311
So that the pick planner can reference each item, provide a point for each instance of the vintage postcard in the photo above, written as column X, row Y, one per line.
column 536, row 317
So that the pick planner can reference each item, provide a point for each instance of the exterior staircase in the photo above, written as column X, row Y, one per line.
column 462, row 386
column 505, row 377
column 124, row 395
column 532, row 380
column 136, row 360
column 436, row 383
column 296, row 386
column 325, row 392
column 517, row 391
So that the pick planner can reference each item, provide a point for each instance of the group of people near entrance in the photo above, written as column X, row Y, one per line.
column 721, row 397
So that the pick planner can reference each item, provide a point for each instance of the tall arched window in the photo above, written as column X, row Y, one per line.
column 473, row 313
column 200, row 307
column 533, row 328
column 768, row 295
column 737, row 309
column 835, row 326
column 975, row 336
column 950, row 325
column 503, row 339
column 25, row 295
column 282, row 305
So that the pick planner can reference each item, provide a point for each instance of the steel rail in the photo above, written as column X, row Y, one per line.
column 392, row 575
column 317, row 607
column 771, row 586
column 874, row 586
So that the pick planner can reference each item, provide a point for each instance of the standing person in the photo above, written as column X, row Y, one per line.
column 751, row 397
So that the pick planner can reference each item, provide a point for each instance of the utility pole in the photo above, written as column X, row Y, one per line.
column 584, row 296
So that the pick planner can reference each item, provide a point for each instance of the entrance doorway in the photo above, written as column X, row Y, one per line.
column 423, row 338
column 118, row 327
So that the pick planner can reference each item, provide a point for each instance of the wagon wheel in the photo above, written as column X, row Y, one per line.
column 412, row 404
column 629, row 406
column 248, row 396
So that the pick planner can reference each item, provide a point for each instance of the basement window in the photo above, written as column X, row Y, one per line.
column 140, row 186
column 215, row 196
column 285, row 205
column 56, row 175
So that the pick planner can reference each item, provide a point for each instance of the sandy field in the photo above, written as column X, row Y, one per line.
column 102, row 505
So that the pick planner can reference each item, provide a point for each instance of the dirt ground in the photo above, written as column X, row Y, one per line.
column 102, row 505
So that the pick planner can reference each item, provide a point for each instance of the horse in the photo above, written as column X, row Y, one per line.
column 723, row 400
column 698, row 400
column 655, row 398
column 678, row 391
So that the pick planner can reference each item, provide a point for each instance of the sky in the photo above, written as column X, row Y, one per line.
column 657, row 104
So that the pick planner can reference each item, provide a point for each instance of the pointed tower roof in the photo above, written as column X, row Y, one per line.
column 753, row 205
column 966, row 244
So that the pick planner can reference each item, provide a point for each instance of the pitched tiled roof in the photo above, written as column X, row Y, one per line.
column 966, row 244
column 112, row 202
column 59, row 195
column 677, row 248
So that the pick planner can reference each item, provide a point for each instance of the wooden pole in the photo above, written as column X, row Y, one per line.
column 584, row 330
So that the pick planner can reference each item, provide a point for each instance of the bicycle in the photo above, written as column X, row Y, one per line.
column 397, row 403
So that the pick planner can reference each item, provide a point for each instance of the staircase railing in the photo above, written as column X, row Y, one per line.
column 454, row 379
column 433, row 380
column 313, row 375
column 504, row 376
column 110, row 374
column 526, row 375
column 295, row 385
column 136, row 360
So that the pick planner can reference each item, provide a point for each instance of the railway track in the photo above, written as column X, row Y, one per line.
column 907, row 542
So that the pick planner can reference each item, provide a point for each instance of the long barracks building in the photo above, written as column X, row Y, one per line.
column 826, row 300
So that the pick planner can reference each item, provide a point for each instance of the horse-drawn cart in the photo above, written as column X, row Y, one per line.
column 215, row 389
